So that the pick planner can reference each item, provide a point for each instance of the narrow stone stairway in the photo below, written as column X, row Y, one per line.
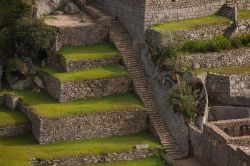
column 122, row 41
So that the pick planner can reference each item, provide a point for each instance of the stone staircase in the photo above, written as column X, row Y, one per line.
column 122, row 41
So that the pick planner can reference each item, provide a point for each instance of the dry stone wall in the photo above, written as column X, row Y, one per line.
column 60, row 63
column 226, row 58
column 83, row 35
column 221, row 88
column 92, row 125
column 158, row 11
column 92, row 159
column 73, row 90
column 163, row 38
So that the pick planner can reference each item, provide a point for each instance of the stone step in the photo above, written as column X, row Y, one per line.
column 120, row 36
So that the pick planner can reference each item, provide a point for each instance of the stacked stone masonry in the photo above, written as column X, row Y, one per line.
column 60, row 63
column 92, row 159
column 74, row 90
column 222, row 87
column 12, row 130
column 234, row 57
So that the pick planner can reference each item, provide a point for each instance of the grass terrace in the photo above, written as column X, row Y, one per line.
column 191, row 23
column 46, row 106
column 97, row 51
column 89, row 74
column 152, row 161
column 17, row 151
column 244, row 14
column 11, row 118
column 244, row 69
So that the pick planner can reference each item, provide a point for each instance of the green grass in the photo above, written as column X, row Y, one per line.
column 191, row 23
column 152, row 161
column 16, row 151
column 111, row 71
column 244, row 14
column 243, row 69
column 46, row 106
column 97, row 51
column 10, row 118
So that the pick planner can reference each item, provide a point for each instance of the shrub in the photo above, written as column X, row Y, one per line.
column 184, row 100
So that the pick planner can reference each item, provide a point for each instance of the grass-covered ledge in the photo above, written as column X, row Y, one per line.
column 19, row 150
column 46, row 106
column 10, row 118
column 243, row 69
column 191, row 23
column 97, row 51
column 244, row 14
column 111, row 71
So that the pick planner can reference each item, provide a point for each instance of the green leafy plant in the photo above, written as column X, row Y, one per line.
column 184, row 100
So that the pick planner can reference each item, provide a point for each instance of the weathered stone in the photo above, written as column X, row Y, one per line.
column 142, row 146
column 39, row 82
column 21, row 84
column 71, row 8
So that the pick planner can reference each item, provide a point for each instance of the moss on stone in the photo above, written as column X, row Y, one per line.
column 191, row 23
column 96, row 51
column 17, row 151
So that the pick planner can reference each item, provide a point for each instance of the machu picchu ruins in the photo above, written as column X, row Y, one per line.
column 125, row 82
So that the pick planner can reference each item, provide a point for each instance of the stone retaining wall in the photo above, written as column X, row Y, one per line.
column 167, row 10
column 221, row 88
column 7, row 131
column 73, row 90
column 83, row 35
column 93, row 159
column 91, row 125
column 58, row 62
column 235, row 128
column 234, row 57
column 160, row 39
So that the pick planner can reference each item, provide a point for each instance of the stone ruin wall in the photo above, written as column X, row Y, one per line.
column 215, row 147
column 82, row 89
column 223, row 88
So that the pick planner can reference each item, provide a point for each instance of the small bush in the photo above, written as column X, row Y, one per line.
column 184, row 100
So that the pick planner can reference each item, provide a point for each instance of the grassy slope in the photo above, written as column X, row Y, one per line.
column 191, row 23
column 225, row 70
column 15, row 151
column 244, row 14
column 46, row 106
column 9, row 117
column 89, row 74
column 97, row 51
column 152, row 161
